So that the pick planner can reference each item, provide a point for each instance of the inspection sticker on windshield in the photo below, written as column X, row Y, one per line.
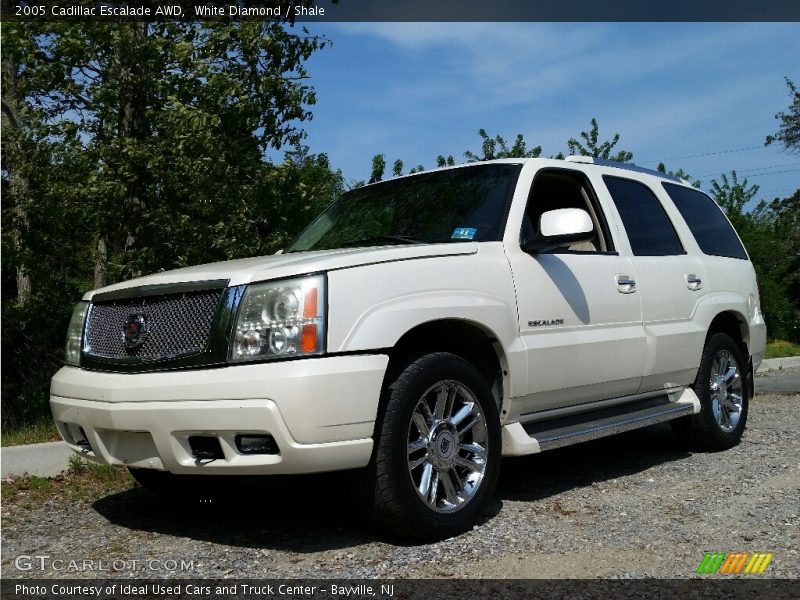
column 463, row 233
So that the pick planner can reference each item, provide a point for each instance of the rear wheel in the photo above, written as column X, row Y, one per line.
column 722, row 387
column 437, row 449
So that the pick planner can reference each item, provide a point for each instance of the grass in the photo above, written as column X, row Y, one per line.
column 81, row 481
column 781, row 349
column 43, row 430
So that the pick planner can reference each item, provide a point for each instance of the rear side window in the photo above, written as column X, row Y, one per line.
column 708, row 225
column 648, row 227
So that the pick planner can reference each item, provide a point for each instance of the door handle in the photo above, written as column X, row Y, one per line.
column 625, row 285
column 693, row 282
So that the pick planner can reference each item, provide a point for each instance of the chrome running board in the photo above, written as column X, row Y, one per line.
column 539, row 436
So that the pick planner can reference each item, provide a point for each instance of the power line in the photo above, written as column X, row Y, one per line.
column 778, row 192
column 711, row 153
column 753, row 169
column 773, row 173
column 758, row 174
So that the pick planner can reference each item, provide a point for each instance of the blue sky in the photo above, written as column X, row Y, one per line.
column 416, row 90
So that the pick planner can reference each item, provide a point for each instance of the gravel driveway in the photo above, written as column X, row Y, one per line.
column 637, row 505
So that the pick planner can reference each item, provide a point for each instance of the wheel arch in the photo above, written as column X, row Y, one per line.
column 472, row 341
column 734, row 324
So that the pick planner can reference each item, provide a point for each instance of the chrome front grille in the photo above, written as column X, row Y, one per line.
column 176, row 325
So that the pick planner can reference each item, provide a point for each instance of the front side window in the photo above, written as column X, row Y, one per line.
column 554, row 189
column 454, row 205
column 708, row 225
column 649, row 229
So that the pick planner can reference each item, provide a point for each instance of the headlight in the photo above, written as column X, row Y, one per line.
column 280, row 319
column 72, row 351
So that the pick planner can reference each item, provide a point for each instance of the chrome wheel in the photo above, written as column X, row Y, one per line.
column 447, row 446
column 726, row 390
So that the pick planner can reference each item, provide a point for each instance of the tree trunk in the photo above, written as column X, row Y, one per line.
column 18, row 189
column 24, row 286
column 101, row 263
column 131, row 125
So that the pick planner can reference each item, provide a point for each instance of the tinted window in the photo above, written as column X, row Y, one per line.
column 559, row 188
column 709, row 226
column 648, row 227
column 454, row 205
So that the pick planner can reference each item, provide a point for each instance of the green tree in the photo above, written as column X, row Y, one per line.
column 497, row 147
column 771, row 234
column 733, row 195
column 772, row 238
column 780, row 279
column 788, row 133
column 591, row 146
column 442, row 162
column 136, row 147
column 378, row 168
column 679, row 173
column 169, row 117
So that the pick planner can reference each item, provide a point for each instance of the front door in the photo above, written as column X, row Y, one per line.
column 580, row 316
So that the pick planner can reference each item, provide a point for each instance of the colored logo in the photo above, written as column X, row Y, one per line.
column 134, row 331
column 464, row 233
column 735, row 563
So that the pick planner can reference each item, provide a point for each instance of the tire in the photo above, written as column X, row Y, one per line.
column 437, row 449
column 723, row 389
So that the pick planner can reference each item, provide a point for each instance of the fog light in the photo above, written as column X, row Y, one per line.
column 83, row 441
column 205, row 447
column 256, row 444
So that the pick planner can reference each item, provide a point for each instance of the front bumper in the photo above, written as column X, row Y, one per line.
column 320, row 411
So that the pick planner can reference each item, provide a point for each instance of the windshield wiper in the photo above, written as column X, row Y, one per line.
column 392, row 239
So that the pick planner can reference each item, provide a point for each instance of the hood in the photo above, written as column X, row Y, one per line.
column 262, row 268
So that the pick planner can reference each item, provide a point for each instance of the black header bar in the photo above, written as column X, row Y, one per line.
column 390, row 589
column 406, row 10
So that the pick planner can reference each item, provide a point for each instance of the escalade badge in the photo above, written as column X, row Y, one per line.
column 545, row 322
column 134, row 331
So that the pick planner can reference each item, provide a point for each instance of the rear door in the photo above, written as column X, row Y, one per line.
column 671, row 283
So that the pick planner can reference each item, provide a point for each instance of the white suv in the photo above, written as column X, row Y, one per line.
column 421, row 328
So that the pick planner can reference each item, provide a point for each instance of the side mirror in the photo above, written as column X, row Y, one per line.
column 560, row 227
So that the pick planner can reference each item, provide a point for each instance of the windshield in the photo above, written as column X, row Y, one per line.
column 455, row 205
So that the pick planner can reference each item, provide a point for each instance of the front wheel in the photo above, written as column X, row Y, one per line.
column 721, row 386
column 437, row 449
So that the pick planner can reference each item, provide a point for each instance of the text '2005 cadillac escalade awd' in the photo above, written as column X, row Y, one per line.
column 420, row 329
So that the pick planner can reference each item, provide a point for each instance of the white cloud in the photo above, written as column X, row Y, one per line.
column 501, row 64
column 669, row 89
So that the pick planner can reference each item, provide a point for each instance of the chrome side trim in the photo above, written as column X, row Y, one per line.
column 519, row 440
column 575, row 409
column 565, row 436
